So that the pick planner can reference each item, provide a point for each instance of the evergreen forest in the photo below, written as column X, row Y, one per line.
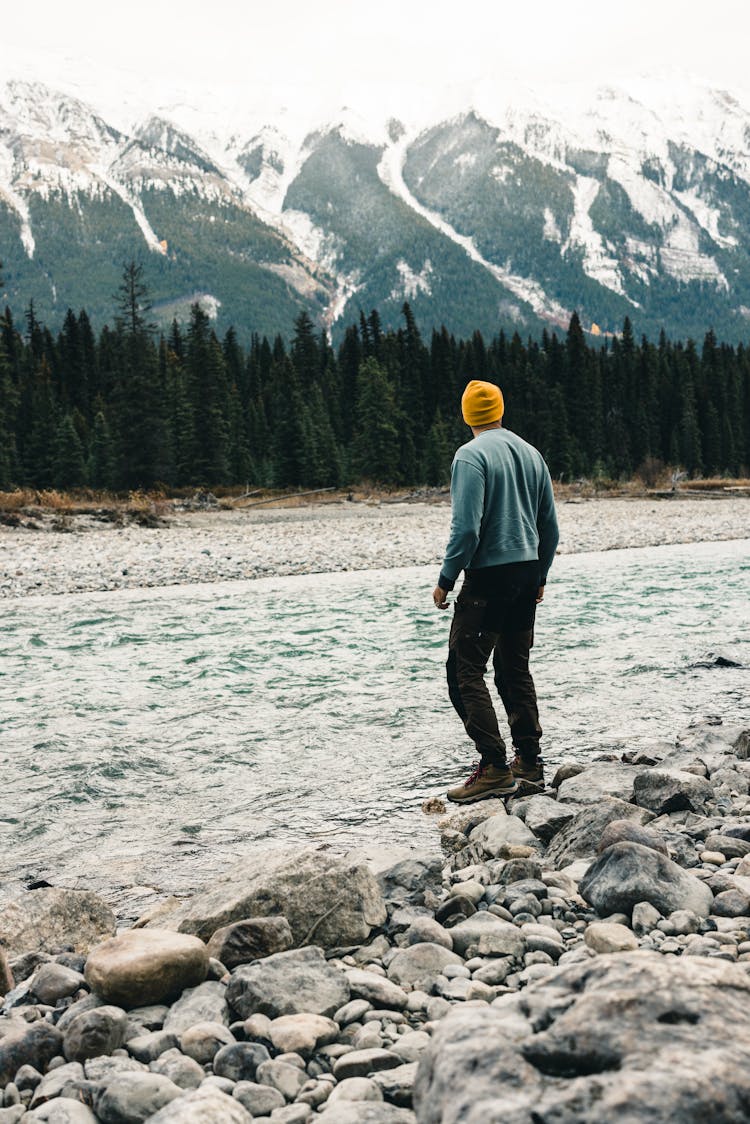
column 131, row 408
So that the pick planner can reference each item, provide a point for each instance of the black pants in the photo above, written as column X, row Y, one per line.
column 494, row 616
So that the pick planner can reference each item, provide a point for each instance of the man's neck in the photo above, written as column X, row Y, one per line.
column 477, row 429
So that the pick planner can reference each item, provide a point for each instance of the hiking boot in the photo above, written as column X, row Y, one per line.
column 485, row 781
column 529, row 774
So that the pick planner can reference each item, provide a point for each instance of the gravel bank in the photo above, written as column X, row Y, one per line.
column 228, row 545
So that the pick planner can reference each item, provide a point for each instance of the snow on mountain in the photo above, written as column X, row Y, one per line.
column 561, row 196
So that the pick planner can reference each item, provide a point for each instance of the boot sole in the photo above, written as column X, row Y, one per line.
column 500, row 792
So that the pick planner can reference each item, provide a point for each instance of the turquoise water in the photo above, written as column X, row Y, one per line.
column 150, row 738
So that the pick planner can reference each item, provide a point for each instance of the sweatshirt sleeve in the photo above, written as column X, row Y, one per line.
column 467, row 504
column 546, row 525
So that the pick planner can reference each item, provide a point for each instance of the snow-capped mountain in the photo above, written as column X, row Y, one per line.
column 512, row 211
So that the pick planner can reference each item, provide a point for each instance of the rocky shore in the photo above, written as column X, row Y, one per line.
column 577, row 956
column 82, row 554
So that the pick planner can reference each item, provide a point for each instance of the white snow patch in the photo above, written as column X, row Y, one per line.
column 152, row 241
column 412, row 283
column 209, row 304
column 706, row 216
column 465, row 160
column 501, row 173
column 551, row 232
column 390, row 170
column 598, row 262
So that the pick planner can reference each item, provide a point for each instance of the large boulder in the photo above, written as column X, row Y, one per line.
column 251, row 939
column 628, row 873
column 144, row 966
column 50, row 919
column 288, row 983
column 328, row 901
column 632, row 1036
column 497, row 833
column 580, row 838
column 671, row 790
column 605, row 778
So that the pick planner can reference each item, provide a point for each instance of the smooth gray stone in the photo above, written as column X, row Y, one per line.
column 361, row 1063
column 380, row 991
column 420, row 962
column 134, row 1097
column 183, row 1071
column 53, row 981
column 240, row 1061
column 627, row 873
column 62, row 1111
column 55, row 1081
column 148, row 1047
column 203, row 1106
column 95, row 1032
column 204, row 1040
column 397, row 1085
column 259, row 1100
column 545, row 816
column 288, row 983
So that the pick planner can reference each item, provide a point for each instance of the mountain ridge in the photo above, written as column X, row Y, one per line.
column 515, row 215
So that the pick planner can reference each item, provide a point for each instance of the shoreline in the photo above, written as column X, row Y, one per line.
column 220, row 546
column 319, row 988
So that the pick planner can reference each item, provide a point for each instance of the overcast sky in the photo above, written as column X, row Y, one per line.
column 298, row 46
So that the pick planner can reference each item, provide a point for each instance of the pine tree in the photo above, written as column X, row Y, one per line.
column 101, row 462
column 437, row 453
column 69, row 465
column 376, row 445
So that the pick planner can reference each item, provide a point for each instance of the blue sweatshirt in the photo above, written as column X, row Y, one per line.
column 503, row 509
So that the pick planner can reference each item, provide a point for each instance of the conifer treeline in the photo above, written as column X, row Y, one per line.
column 133, row 409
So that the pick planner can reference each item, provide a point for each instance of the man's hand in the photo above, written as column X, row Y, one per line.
column 540, row 595
column 439, row 596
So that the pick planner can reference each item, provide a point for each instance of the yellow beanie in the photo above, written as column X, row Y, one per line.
column 482, row 403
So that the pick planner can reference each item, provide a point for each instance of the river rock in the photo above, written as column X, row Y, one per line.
column 397, row 1085
column 407, row 880
column 251, row 939
column 608, row 936
column 281, row 1075
column 352, row 1112
column 580, row 838
column 355, row 1089
column 54, row 981
column 62, row 1111
column 606, row 778
column 202, row 1041
column 148, row 1047
column 53, row 1083
column 727, row 845
column 327, row 901
column 288, row 983
column 50, row 919
column 496, row 833
column 206, row 1105
column 627, row 873
column 134, row 1097
column 731, row 903
column 240, row 1060
column 630, row 831
column 302, row 1034
column 95, row 1032
column 426, row 930
column 670, row 790
column 409, row 967
column 634, row 1036
column 205, row 1003
column 360, row 1063
column 145, row 966
column 545, row 817
column 27, row 1044
column 381, row 992
column 259, row 1100
column 183, row 1071
column 489, row 935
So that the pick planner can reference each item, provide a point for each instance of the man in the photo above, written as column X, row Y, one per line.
column 503, row 535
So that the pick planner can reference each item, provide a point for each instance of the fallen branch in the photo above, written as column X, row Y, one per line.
column 293, row 496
